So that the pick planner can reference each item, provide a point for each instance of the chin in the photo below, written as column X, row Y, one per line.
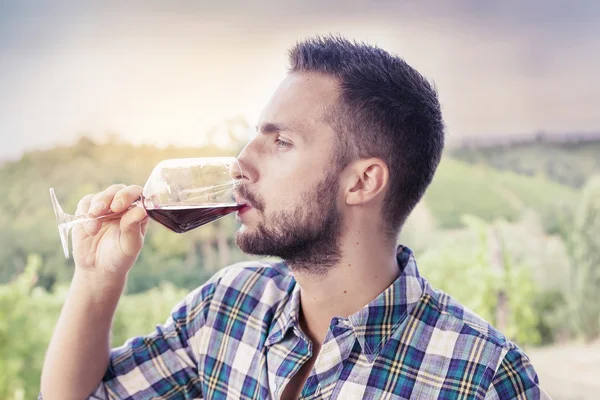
column 246, row 227
column 250, row 241
column 244, row 232
column 241, row 240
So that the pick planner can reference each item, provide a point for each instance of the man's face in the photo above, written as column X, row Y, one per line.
column 292, row 180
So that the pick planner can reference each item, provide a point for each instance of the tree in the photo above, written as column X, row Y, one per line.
column 585, row 252
column 501, row 295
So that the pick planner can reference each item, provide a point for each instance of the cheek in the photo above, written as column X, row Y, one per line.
column 280, row 180
column 287, row 180
column 285, row 199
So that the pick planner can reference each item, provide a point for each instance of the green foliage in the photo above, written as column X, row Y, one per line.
column 27, row 317
column 28, row 314
column 138, row 314
column 585, row 251
column 466, row 273
column 550, row 306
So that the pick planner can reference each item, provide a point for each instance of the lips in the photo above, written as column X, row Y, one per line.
column 246, row 207
column 247, row 200
column 245, row 204
column 240, row 200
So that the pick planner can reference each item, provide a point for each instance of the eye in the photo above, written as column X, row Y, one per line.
column 282, row 143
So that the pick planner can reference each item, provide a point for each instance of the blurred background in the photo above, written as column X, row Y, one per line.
column 93, row 95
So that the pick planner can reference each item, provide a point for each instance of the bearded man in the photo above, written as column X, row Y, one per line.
column 343, row 152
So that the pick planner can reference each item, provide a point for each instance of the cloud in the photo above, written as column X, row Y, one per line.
column 161, row 71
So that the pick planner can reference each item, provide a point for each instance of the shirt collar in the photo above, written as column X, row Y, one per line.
column 377, row 321
column 287, row 314
column 373, row 324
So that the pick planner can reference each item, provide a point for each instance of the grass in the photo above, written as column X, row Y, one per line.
column 460, row 188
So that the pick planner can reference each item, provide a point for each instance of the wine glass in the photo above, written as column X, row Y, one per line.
column 180, row 194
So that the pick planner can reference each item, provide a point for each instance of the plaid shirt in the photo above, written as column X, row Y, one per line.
column 238, row 337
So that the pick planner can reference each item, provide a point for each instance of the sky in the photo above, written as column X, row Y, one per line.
column 166, row 72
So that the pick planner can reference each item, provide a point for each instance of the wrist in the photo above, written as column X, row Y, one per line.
column 99, row 284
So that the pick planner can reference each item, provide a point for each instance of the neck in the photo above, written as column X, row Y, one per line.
column 366, row 267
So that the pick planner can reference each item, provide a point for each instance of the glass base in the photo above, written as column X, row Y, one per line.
column 61, row 222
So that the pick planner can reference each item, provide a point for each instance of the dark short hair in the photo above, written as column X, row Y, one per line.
column 386, row 109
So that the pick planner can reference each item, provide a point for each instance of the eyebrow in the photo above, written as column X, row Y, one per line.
column 273, row 127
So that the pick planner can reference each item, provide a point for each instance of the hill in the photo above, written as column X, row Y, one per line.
column 87, row 167
column 569, row 159
column 460, row 188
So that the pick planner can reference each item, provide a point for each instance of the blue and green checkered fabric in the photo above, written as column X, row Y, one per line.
column 238, row 337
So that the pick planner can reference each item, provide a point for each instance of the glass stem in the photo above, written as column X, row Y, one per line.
column 66, row 221
column 71, row 220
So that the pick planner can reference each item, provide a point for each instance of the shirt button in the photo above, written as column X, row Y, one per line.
column 344, row 323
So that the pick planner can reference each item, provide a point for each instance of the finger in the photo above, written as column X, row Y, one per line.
column 131, row 219
column 101, row 201
column 87, row 228
column 92, row 227
column 131, row 236
column 144, row 225
column 124, row 197
column 84, row 204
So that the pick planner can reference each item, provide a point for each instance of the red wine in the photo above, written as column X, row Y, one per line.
column 180, row 218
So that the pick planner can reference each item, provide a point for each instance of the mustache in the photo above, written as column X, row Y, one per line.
column 253, row 199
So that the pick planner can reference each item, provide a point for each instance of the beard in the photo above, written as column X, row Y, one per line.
column 307, row 237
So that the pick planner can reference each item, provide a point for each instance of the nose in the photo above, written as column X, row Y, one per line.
column 235, row 170
column 238, row 172
column 242, row 169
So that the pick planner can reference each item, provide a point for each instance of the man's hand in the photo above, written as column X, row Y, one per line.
column 108, row 248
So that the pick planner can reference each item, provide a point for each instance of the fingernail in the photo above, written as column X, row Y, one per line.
column 97, row 208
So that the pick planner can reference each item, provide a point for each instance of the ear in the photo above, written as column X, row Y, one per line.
column 367, row 179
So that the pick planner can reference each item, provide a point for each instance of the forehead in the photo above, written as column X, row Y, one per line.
column 301, row 101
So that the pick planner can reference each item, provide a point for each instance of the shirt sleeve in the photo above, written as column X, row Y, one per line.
column 163, row 364
column 515, row 379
